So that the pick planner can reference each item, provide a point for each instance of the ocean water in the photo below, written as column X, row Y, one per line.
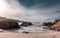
column 36, row 27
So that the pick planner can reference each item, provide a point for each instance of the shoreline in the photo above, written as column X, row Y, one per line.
column 30, row 35
column 49, row 34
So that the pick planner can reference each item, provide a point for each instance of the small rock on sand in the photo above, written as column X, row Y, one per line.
column 25, row 32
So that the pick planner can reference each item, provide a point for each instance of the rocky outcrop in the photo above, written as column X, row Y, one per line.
column 53, row 26
column 56, row 25
column 47, row 24
column 25, row 24
column 8, row 24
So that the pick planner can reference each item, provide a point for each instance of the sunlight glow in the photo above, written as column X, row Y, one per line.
column 2, row 5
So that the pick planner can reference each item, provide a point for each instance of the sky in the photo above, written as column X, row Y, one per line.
column 30, row 10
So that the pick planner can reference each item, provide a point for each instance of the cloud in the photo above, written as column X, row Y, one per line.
column 35, row 11
column 11, row 8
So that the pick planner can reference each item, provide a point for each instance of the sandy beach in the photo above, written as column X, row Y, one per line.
column 30, row 35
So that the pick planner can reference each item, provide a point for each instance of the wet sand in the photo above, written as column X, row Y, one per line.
column 30, row 35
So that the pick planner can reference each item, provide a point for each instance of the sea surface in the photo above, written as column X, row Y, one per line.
column 36, row 27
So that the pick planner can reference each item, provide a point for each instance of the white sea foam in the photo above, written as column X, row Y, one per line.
column 33, row 28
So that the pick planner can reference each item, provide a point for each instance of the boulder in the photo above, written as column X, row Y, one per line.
column 8, row 24
column 25, row 24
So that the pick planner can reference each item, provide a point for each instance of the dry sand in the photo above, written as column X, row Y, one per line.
column 30, row 35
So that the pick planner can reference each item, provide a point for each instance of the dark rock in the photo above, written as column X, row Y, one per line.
column 25, row 24
column 47, row 24
column 8, row 24
column 45, row 27
column 25, row 32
